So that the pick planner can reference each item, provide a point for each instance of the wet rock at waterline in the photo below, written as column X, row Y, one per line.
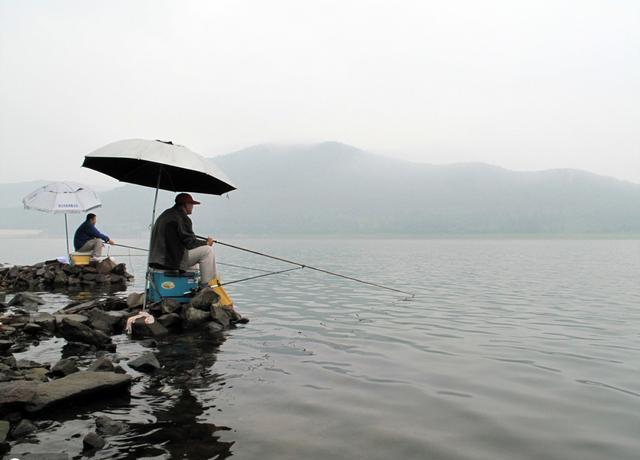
column 93, row 442
column 64, row 367
column 77, row 385
column 145, row 363
column 74, row 331
column 141, row 330
column 106, row 426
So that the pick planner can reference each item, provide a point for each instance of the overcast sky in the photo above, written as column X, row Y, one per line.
column 526, row 85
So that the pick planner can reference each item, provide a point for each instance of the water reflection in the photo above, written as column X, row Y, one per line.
column 187, row 378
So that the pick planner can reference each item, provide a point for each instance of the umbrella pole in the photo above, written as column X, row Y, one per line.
column 66, row 234
column 153, row 218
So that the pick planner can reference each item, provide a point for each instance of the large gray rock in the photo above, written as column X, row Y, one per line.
column 145, row 363
column 76, row 386
column 74, row 331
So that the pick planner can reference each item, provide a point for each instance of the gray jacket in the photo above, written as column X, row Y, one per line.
column 171, row 236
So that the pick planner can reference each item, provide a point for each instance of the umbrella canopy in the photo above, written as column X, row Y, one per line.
column 159, row 164
column 62, row 197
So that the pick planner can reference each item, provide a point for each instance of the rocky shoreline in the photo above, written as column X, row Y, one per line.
column 90, row 369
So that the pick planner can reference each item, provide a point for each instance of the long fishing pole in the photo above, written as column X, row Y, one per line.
column 321, row 270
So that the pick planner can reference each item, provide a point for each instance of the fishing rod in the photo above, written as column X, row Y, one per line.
column 300, row 265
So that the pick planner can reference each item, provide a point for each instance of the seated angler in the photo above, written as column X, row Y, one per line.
column 89, row 239
column 174, row 246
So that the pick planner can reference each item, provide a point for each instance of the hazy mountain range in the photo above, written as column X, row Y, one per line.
column 335, row 189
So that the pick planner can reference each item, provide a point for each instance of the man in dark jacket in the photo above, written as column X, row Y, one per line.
column 88, row 237
column 174, row 246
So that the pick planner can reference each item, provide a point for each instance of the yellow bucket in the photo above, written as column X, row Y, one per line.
column 78, row 258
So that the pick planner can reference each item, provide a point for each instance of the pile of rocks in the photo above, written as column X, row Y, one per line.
column 53, row 274
column 90, row 365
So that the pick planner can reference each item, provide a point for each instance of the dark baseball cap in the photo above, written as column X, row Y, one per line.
column 185, row 198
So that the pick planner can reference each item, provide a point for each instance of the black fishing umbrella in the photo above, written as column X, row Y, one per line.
column 161, row 165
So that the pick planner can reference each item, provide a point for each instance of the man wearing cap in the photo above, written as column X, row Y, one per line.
column 174, row 246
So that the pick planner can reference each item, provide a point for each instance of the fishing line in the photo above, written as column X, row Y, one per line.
column 300, row 265
column 259, row 276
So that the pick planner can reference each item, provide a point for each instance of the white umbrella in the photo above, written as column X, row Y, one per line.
column 62, row 198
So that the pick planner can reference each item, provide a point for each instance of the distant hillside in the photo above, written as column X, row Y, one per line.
column 332, row 188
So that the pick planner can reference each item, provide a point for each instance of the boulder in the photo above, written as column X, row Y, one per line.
column 145, row 363
column 26, row 299
column 93, row 442
column 141, row 330
column 5, row 345
column 22, row 429
column 74, row 331
column 194, row 317
column 74, row 317
column 115, row 304
column 105, row 322
column 102, row 364
column 170, row 306
column 46, row 320
column 60, row 279
column 32, row 329
column 213, row 328
column 135, row 300
column 222, row 315
column 171, row 321
column 108, row 427
column 105, row 266
column 64, row 367
column 75, row 386
column 204, row 299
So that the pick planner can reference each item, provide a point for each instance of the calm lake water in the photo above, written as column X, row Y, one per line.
column 511, row 349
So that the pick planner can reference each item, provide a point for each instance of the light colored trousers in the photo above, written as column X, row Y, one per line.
column 205, row 258
column 95, row 246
